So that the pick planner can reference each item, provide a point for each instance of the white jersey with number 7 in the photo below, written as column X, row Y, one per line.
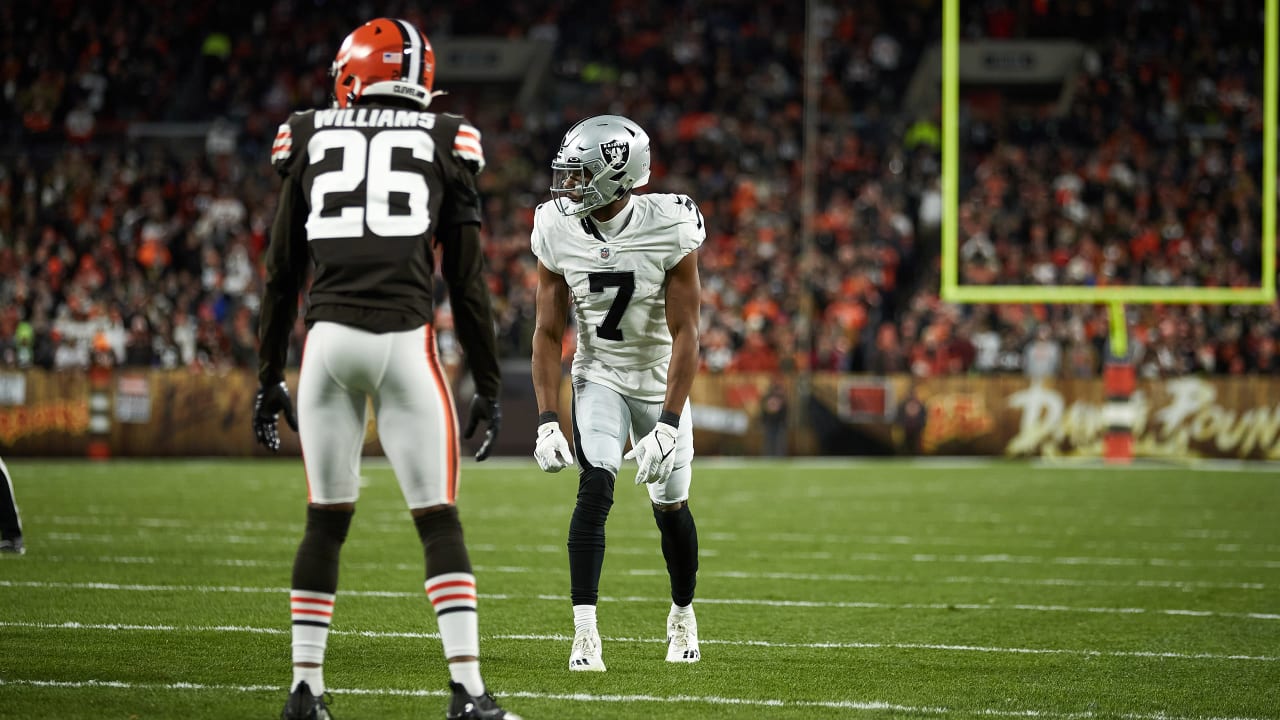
column 616, row 273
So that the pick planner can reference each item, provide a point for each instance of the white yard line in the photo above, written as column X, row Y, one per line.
column 394, row 525
column 865, row 705
column 726, row 574
column 558, row 549
column 817, row 604
column 1146, row 654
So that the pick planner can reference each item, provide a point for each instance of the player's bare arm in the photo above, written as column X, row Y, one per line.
column 684, row 294
column 551, row 450
column 551, row 317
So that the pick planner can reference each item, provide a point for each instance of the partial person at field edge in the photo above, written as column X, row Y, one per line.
column 10, row 522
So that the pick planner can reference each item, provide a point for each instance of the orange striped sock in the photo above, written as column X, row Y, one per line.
column 453, row 597
column 312, row 613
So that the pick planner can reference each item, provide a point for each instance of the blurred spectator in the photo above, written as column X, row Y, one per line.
column 139, row 351
column 911, row 418
column 102, row 355
column 1043, row 356
column 887, row 356
column 773, row 417
column 756, row 355
column 69, row 354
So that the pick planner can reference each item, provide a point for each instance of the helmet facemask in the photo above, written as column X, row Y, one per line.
column 573, row 188
column 600, row 160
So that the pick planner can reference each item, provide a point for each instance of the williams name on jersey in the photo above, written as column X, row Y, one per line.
column 370, row 186
column 616, row 272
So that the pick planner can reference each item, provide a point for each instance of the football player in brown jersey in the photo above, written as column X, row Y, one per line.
column 369, row 187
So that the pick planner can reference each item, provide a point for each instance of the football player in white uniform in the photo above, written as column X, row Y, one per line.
column 629, row 265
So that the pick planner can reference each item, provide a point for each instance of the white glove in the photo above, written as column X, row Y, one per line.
column 552, row 450
column 656, row 454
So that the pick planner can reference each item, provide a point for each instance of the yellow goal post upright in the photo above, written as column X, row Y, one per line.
column 1115, row 297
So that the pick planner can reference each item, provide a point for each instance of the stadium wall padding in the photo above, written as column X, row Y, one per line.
column 157, row 413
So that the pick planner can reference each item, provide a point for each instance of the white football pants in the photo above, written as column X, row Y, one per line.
column 342, row 367
column 603, row 419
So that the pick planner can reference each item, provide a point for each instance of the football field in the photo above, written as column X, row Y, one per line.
column 158, row 590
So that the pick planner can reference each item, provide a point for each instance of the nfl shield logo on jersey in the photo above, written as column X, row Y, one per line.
column 616, row 153
column 605, row 254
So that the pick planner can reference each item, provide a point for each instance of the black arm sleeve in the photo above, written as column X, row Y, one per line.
column 286, row 259
column 462, row 264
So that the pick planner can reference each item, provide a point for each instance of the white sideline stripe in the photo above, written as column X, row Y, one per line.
column 636, row 698
column 1153, row 654
column 728, row 574
column 635, row 599
column 961, row 462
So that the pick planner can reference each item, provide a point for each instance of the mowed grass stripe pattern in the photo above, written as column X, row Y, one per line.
column 861, row 590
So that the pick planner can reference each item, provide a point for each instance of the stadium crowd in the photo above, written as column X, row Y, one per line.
column 122, row 244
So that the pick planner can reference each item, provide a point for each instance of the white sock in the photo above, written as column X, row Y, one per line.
column 467, row 674
column 312, row 676
column 677, row 610
column 453, row 596
column 584, row 617
column 311, row 612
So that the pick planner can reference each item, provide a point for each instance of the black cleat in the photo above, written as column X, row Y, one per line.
column 302, row 705
column 13, row 545
column 463, row 706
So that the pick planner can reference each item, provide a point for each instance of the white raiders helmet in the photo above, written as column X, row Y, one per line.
column 599, row 161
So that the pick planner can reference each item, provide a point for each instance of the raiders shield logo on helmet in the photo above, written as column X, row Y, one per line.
column 616, row 153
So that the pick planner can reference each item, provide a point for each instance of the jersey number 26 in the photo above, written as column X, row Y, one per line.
column 369, row 162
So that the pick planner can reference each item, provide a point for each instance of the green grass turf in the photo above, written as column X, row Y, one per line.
column 869, row 590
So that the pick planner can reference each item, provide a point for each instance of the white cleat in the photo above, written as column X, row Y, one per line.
column 682, row 637
column 585, row 656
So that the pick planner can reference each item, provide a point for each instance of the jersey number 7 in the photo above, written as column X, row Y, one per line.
column 626, row 284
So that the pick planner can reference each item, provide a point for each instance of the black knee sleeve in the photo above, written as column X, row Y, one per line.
column 586, row 535
column 442, row 543
column 680, row 549
column 315, row 568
